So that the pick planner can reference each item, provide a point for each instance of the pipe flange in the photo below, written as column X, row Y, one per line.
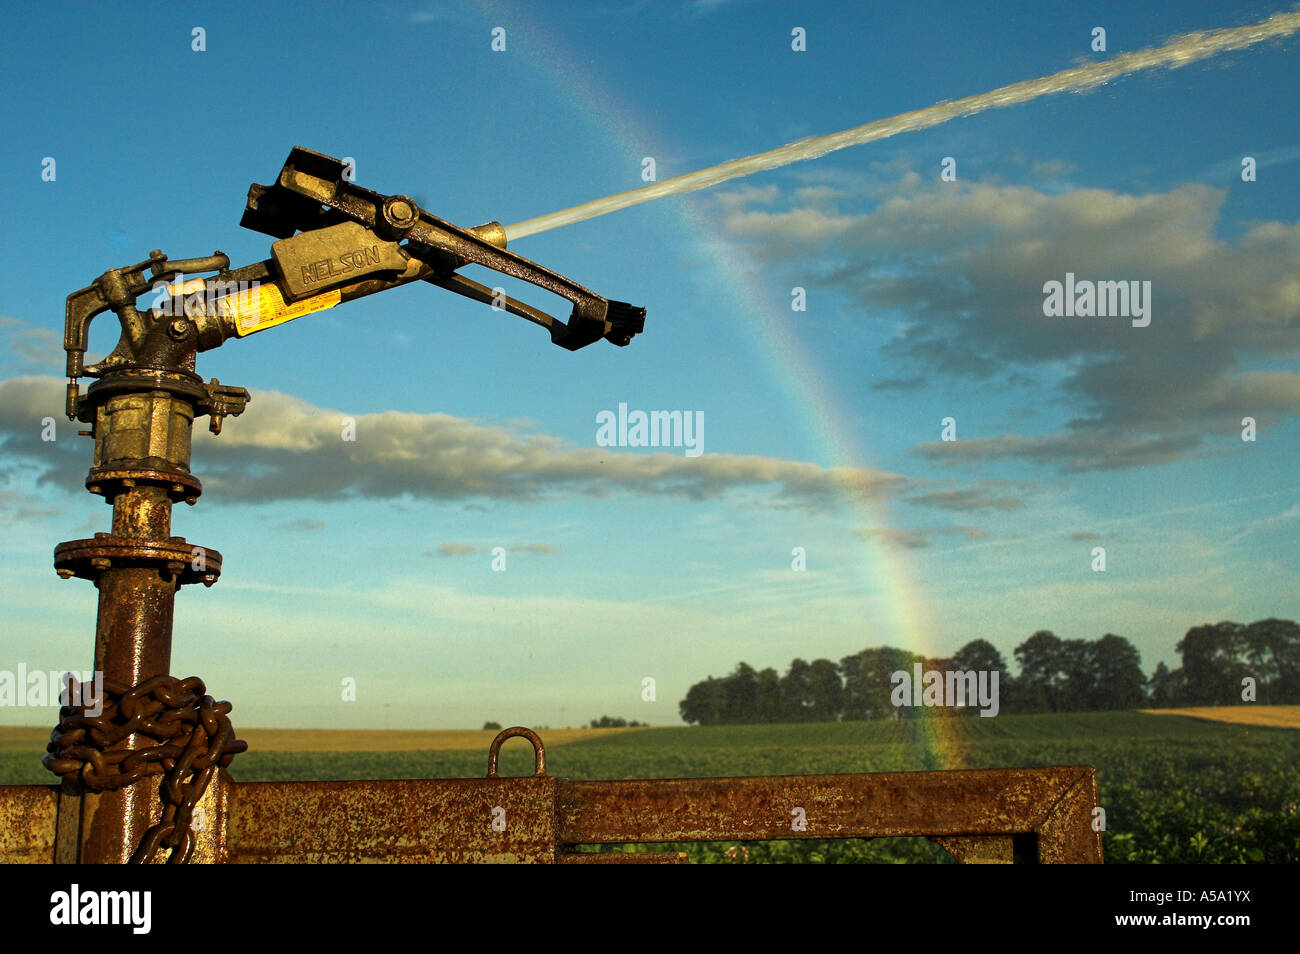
column 183, row 384
column 87, row 559
column 109, row 481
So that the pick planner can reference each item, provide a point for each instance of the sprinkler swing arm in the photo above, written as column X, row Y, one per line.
column 351, row 242
column 337, row 242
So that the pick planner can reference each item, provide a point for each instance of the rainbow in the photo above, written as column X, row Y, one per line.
column 768, row 330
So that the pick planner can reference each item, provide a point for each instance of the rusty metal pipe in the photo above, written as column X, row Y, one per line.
column 133, row 642
column 142, row 427
column 143, row 513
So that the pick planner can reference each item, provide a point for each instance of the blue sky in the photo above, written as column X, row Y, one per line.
column 372, row 560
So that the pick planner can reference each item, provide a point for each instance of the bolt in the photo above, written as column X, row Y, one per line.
column 128, row 483
column 174, row 567
column 65, row 573
column 100, row 563
column 178, row 329
column 400, row 212
column 191, row 500
column 209, row 579
column 102, row 536
column 178, row 488
column 93, row 488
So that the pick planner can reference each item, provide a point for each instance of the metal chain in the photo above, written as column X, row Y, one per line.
column 195, row 740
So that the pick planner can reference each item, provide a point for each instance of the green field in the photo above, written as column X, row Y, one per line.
column 1175, row 789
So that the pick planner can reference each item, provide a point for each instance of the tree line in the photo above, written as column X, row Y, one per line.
column 1219, row 663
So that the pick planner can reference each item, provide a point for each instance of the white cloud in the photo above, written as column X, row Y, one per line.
column 285, row 448
column 964, row 264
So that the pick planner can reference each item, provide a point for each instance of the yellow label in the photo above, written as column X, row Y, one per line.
column 264, row 307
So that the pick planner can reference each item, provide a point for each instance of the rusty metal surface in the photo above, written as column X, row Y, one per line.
column 132, row 642
column 991, row 817
column 28, row 820
column 1054, row 803
column 622, row 858
column 407, row 821
column 77, row 809
column 211, row 820
column 994, row 816
column 174, row 556
column 979, row 849
column 1067, row 834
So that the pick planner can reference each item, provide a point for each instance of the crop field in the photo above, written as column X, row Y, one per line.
column 1286, row 717
column 1174, row 788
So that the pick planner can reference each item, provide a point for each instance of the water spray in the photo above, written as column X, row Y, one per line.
column 1179, row 51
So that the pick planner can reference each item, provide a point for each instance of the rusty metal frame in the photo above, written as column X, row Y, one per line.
column 979, row 816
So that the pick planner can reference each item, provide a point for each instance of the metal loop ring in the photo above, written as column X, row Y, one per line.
column 539, row 750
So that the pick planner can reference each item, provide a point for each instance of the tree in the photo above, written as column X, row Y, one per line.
column 1168, row 688
column 608, row 722
column 1118, row 679
column 796, row 692
column 769, row 696
column 1217, row 657
column 981, row 656
column 1055, row 675
column 494, row 726
column 1271, row 650
column 741, row 695
column 826, row 692
column 1077, row 676
column 867, row 682
column 704, row 702
column 1211, row 667
column 1039, row 683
